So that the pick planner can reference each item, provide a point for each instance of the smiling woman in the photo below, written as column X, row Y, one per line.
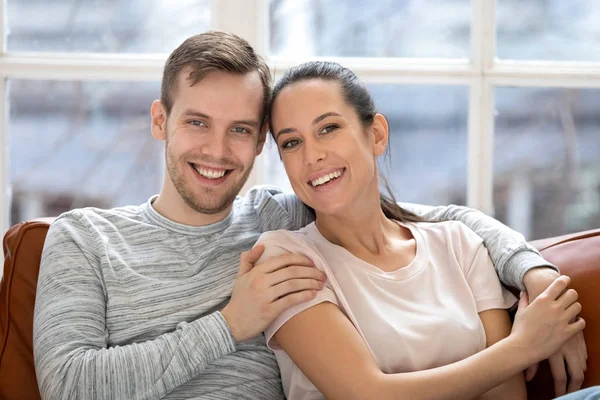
column 384, row 265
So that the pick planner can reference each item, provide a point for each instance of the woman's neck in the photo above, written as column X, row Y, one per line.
column 362, row 230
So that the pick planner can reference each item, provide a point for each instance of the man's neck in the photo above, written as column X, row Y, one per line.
column 174, row 208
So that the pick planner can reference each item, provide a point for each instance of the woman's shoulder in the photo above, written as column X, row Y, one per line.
column 449, row 230
column 286, row 239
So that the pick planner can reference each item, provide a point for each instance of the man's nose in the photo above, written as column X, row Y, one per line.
column 216, row 146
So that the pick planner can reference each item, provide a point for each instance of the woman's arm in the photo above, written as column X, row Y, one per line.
column 324, row 344
column 497, row 327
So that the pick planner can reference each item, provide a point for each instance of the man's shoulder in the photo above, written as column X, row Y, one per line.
column 92, row 220
column 266, row 199
column 261, row 193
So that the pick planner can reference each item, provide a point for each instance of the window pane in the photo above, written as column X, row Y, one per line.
column 428, row 145
column 547, row 160
column 116, row 26
column 357, row 28
column 549, row 29
column 76, row 144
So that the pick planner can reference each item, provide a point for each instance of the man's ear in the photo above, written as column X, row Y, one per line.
column 262, row 138
column 380, row 130
column 159, row 120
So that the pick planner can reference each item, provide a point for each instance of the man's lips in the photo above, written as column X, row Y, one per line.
column 210, row 172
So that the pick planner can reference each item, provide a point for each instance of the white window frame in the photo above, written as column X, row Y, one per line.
column 482, row 73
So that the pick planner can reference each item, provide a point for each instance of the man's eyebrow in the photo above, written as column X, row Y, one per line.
column 250, row 122
column 315, row 121
column 194, row 113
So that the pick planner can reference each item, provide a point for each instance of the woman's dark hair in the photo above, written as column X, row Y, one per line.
column 356, row 95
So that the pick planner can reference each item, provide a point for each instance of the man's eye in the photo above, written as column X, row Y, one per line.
column 290, row 144
column 240, row 129
column 197, row 123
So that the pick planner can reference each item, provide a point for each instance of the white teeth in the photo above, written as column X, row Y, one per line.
column 210, row 174
column 326, row 178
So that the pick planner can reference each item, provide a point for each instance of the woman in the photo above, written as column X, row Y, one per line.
column 410, row 309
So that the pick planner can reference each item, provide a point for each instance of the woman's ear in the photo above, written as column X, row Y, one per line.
column 381, row 134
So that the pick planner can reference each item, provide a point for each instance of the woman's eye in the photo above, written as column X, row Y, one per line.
column 290, row 143
column 329, row 128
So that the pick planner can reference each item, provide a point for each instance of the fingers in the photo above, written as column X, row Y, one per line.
column 295, row 272
column 557, row 366
column 282, row 261
column 291, row 300
column 248, row 258
column 557, row 287
column 294, row 286
column 582, row 349
column 531, row 371
column 568, row 298
column 576, row 327
column 573, row 311
column 574, row 367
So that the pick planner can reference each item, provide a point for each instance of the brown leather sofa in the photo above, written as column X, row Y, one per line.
column 577, row 255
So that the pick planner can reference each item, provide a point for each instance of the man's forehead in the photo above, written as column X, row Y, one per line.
column 249, row 81
column 220, row 95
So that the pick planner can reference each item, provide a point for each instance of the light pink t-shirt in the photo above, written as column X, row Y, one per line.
column 421, row 316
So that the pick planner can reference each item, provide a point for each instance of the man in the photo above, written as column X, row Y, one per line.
column 136, row 302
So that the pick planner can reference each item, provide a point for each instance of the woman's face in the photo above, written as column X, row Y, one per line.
column 329, row 156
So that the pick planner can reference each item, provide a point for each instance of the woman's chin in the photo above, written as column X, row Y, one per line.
column 330, row 208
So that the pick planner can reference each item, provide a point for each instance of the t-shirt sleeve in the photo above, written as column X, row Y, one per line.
column 481, row 276
column 282, row 242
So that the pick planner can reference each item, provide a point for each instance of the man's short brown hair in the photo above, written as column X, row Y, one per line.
column 213, row 51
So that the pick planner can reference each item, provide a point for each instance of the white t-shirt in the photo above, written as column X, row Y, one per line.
column 420, row 316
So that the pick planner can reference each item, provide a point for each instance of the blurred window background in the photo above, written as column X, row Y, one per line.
column 491, row 104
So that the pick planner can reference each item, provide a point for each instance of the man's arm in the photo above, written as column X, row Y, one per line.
column 72, row 357
column 512, row 256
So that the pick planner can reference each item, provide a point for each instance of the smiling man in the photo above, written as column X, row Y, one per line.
column 154, row 301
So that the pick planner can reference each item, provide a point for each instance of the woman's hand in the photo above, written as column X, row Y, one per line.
column 544, row 325
column 572, row 356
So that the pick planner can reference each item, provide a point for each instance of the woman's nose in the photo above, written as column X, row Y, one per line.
column 314, row 152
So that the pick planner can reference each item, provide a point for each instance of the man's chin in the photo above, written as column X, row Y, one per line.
column 209, row 201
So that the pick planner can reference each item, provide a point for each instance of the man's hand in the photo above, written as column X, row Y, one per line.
column 264, row 291
column 573, row 352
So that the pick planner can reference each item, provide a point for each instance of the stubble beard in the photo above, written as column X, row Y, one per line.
column 209, row 201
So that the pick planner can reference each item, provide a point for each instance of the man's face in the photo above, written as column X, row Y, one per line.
column 212, row 137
